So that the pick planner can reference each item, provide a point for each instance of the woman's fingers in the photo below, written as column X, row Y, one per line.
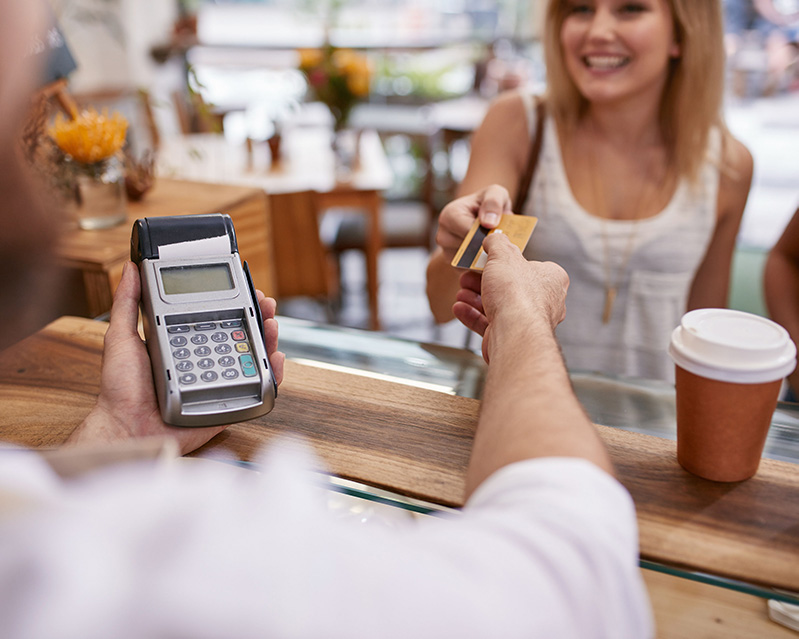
column 494, row 202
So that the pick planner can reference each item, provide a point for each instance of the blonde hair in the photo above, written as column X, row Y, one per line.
column 692, row 98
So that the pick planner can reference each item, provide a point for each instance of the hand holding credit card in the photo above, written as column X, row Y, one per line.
column 471, row 255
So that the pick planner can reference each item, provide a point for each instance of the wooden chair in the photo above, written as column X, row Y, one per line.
column 300, row 258
column 400, row 230
column 414, row 226
column 409, row 228
column 195, row 115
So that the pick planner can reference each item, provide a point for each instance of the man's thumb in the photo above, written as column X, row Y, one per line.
column 498, row 244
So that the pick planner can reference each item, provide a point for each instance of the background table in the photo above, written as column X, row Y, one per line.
column 301, row 187
column 97, row 257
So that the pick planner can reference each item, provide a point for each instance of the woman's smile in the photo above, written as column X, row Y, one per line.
column 605, row 62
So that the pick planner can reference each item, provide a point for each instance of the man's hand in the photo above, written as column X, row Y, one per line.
column 127, row 406
column 458, row 216
column 523, row 292
column 528, row 407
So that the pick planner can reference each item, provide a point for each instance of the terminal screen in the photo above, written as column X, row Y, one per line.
column 205, row 278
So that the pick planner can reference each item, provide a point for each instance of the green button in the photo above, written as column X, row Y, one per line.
column 247, row 365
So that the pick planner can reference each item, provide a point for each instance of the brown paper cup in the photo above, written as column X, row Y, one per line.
column 722, row 426
column 729, row 369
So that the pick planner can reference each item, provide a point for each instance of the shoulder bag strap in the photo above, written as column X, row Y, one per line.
column 532, row 161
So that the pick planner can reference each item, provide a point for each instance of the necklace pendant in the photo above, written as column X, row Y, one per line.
column 610, row 298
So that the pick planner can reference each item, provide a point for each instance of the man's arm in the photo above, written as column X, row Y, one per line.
column 528, row 408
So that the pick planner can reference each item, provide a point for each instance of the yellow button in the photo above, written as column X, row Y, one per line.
column 242, row 347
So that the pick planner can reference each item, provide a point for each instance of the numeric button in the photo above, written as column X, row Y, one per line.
column 184, row 366
column 181, row 353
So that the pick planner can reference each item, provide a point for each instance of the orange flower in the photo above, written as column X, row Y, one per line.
column 359, row 84
column 310, row 58
column 91, row 137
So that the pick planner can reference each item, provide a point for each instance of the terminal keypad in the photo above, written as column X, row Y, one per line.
column 205, row 352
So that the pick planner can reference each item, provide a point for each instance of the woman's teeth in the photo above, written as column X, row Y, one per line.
column 605, row 61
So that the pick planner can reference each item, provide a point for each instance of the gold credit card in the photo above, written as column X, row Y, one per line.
column 471, row 255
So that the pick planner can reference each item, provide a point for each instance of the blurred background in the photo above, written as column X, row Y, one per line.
column 212, row 87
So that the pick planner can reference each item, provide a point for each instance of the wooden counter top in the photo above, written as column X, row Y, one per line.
column 417, row 442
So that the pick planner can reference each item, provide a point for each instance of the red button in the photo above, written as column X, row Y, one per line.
column 238, row 335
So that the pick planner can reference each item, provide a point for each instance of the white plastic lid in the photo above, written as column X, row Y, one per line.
column 732, row 346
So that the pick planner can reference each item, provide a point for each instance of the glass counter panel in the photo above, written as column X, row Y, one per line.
column 648, row 407
column 642, row 406
column 450, row 370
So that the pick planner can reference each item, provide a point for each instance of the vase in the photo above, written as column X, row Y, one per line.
column 100, row 200
column 346, row 143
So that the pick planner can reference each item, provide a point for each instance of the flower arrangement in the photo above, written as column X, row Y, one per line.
column 337, row 77
column 90, row 137
column 90, row 144
column 78, row 159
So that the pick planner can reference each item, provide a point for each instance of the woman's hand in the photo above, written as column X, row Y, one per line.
column 458, row 216
column 127, row 406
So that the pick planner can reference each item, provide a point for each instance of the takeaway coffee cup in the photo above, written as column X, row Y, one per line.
column 729, row 369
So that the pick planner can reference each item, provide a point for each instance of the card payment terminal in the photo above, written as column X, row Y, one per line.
column 202, row 322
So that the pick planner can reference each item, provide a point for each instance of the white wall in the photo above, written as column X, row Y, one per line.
column 111, row 40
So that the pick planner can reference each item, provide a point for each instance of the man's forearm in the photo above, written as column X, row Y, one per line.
column 529, row 409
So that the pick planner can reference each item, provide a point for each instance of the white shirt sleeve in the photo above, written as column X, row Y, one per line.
column 545, row 548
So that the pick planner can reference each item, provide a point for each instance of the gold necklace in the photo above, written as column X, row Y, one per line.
column 612, row 283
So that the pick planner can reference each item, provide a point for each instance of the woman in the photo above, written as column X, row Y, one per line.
column 639, row 188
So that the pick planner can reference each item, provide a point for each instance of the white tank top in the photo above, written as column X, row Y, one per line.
column 652, row 290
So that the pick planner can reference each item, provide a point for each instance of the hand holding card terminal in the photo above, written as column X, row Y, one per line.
column 202, row 322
